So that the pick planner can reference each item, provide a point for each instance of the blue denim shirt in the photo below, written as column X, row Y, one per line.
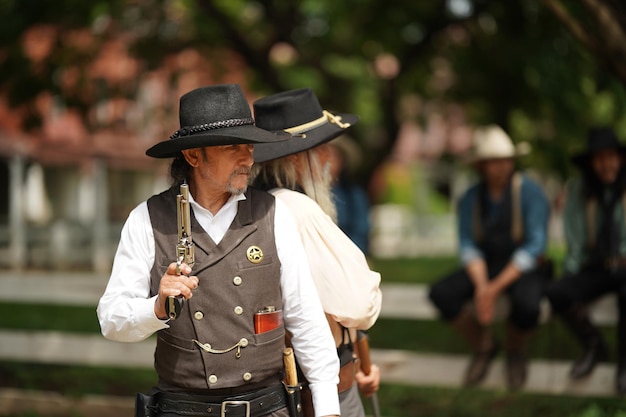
column 535, row 216
column 353, row 213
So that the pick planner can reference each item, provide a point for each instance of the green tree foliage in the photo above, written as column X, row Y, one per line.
column 518, row 64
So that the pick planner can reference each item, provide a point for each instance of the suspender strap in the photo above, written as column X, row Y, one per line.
column 517, row 220
column 624, row 208
column 517, row 223
column 477, row 230
column 590, row 218
column 591, row 208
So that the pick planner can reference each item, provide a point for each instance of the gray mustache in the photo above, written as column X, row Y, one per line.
column 239, row 171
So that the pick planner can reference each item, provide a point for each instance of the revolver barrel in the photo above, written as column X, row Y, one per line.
column 184, row 247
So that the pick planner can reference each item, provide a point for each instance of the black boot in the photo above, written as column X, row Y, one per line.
column 620, row 378
column 577, row 319
column 479, row 365
column 515, row 346
column 484, row 346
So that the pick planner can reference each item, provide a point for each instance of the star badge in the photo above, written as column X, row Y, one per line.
column 254, row 254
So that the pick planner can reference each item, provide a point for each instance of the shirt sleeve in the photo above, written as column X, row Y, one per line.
column 536, row 213
column 349, row 290
column 468, row 250
column 304, row 316
column 574, row 223
column 126, row 310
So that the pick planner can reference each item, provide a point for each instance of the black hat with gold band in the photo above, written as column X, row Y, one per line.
column 297, row 112
column 213, row 116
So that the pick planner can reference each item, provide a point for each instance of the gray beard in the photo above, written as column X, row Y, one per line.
column 232, row 189
column 236, row 191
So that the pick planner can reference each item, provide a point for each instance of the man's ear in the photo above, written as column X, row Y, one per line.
column 192, row 156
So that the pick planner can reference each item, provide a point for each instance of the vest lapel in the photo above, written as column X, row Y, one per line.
column 209, row 252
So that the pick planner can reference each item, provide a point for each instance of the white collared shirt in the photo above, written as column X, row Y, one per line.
column 126, row 310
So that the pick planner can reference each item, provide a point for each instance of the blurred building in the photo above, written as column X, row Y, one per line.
column 68, row 183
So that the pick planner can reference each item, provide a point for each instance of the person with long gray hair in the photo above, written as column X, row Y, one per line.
column 296, row 172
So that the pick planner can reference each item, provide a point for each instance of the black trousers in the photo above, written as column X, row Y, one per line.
column 452, row 292
column 587, row 286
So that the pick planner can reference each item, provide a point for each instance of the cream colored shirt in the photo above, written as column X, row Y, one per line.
column 349, row 290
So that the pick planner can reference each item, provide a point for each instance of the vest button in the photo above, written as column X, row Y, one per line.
column 198, row 315
column 237, row 280
column 243, row 342
column 212, row 379
column 247, row 376
column 238, row 310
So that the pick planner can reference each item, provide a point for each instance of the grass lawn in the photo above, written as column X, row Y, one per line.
column 394, row 400
column 414, row 270
column 552, row 341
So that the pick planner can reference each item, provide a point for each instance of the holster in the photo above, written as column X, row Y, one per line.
column 347, row 370
column 294, row 400
column 144, row 404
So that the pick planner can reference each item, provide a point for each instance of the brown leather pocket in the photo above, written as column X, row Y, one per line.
column 346, row 377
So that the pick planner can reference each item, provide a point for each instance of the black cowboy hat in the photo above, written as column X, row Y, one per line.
column 598, row 139
column 299, row 113
column 213, row 116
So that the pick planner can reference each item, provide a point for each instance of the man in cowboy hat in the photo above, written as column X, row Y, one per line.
column 502, row 228
column 211, row 360
column 595, row 262
column 349, row 290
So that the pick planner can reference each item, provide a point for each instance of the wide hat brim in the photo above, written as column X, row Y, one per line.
column 521, row 149
column 303, row 142
column 599, row 138
column 225, row 136
column 582, row 159
column 216, row 115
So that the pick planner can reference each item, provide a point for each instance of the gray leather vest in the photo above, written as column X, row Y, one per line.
column 212, row 344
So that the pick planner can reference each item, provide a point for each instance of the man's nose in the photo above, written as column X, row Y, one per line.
column 247, row 152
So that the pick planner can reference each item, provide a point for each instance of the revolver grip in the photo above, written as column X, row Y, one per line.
column 173, row 306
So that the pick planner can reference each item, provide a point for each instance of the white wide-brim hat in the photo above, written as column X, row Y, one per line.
column 491, row 142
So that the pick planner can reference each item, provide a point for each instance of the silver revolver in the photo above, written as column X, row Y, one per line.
column 184, row 247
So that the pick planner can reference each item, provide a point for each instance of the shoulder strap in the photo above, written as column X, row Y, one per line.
column 477, row 229
column 590, row 219
column 623, row 226
column 517, row 221
column 624, row 207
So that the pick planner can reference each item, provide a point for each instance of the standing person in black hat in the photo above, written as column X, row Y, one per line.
column 502, row 227
column 595, row 263
column 294, row 172
column 212, row 360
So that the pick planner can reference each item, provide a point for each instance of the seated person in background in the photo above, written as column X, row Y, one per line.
column 595, row 262
column 502, row 237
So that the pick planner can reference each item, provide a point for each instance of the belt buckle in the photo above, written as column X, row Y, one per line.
column 227, row 403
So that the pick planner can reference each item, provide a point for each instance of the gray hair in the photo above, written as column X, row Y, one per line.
column 313, row 179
